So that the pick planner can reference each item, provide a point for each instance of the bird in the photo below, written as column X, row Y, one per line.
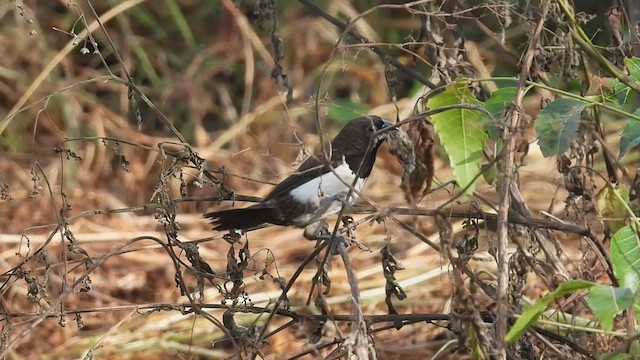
column 318, row 188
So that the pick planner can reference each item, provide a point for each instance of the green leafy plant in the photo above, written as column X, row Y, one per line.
column 461, row 132
column 495, row 105
column 605, row 302
column 556, row 125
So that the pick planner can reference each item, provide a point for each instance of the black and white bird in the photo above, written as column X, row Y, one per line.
column 318, row 188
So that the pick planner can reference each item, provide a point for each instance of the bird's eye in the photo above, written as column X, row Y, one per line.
column 371, row 128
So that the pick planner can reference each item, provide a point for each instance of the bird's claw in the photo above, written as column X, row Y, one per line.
column 315, row 230
column 232, row 237
column 319, row 231
column 338, row 239
column 347, row 220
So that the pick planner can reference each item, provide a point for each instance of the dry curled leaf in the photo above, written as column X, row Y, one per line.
column 415, row 153
column 615, row 20
column 402, row 148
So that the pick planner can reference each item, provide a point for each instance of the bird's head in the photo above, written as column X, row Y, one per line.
column 381, row 129
column 359, row 133
column 358, row 142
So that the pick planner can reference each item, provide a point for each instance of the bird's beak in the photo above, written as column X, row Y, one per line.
column 388, row 128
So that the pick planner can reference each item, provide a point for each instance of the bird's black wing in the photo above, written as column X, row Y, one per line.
column 312, row 168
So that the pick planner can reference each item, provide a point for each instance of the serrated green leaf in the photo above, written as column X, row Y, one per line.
column 611, row 204
column 607, row 301
column 495, row 105
column 344, row 110
column 531, row 315
column 630, row 136
column 625, row 258
column 556, row 125
column 461, row 132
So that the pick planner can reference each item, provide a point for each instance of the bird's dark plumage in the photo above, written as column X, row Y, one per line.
column 314, row 191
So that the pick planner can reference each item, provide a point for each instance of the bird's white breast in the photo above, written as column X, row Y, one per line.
column 327, row 192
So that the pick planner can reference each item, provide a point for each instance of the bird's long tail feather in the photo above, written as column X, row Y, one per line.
column 242, row 219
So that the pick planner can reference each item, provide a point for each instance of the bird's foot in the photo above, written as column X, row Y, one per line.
column 338, row 241
column 232, row 237
column 319, row 231
column 349, row 226
column 315, row 230
column 347, row 220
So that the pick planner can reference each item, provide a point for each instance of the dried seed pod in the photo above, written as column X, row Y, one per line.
column 415, row 153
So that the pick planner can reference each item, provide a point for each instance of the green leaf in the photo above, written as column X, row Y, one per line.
column 634, row 349
column 636, row 308
column 630, row 136
column 495, row 105
column 606, row 89
column 608, row 301
column 553, row 315
column 621, row 92
column 531, row 315
column 625, row 258
column 617, row 356
column 345, row 110
column 461, row 132
column 557, row 124
column 633, row 65
column 490, row 174
column 611, row 204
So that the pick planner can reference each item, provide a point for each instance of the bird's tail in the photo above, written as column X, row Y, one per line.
column 242, row 219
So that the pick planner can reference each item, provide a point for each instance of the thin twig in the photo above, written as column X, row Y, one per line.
column 505, row 167
column 360, row 343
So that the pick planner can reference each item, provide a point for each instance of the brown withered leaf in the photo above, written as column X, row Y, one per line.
column 414, row 151
column 615, row 20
